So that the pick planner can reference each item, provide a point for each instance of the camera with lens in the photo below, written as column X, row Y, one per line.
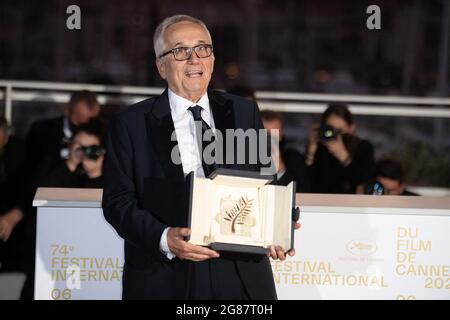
column 93, row 152
column 374, row 187
column 327, row 132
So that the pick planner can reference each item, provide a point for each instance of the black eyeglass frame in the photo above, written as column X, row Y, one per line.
column 191, row 49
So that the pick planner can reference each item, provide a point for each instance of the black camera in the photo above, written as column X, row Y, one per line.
column 93, row 152
column 327, row 132
column 374, row 187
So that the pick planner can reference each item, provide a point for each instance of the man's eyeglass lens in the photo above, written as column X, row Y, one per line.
column 184, row 53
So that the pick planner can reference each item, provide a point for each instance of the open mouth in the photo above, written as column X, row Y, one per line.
column 194, row 73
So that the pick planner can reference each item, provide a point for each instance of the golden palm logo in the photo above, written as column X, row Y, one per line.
column 235, row 216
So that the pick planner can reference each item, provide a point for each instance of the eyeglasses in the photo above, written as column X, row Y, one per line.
column 92, row 152
column 184, row 53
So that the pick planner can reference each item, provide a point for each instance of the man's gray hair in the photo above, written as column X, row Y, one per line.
column 159, row 44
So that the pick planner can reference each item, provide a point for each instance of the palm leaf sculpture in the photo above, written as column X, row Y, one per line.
column 239, row 212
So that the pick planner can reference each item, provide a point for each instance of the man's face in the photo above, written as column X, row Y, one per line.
column 82, row 113
column 189, row 78
column 391, row 187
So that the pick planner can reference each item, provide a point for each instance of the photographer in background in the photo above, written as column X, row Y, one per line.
column 47, row 140
column 84, row 167
column 388, row 180
column 338, row 161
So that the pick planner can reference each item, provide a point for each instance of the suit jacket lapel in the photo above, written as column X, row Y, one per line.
column 159, row 130
column 223, row 115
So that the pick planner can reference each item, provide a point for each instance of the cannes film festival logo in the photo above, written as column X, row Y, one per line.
column 362, row 247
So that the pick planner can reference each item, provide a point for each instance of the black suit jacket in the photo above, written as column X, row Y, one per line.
column 144, row 192
column 45, row 140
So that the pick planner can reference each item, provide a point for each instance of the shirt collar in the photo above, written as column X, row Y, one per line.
column 179, row 105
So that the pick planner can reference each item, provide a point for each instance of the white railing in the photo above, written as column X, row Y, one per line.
column 27, row 91
column 430, row 191
column 432, row 107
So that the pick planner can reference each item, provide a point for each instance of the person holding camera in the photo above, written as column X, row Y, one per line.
column 84, row 167
column 388, row 180
column 47, row 140
column 338, row 161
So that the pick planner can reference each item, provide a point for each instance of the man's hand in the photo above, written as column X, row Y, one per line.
column 7, row 223
column 185, row 250
column 277, row 252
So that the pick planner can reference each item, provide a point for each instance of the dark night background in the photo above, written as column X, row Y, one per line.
column 308, row 46
column 311, row 46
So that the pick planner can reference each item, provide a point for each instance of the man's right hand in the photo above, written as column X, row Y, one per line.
column 185, row 250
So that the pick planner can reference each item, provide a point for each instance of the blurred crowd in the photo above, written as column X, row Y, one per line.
column 68, row 151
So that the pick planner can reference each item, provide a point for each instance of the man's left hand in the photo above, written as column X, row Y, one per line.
column 277, row 252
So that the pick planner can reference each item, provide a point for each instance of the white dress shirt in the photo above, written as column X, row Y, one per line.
column 183, row 122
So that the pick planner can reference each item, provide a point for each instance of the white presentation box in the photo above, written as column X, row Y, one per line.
column 239, row 211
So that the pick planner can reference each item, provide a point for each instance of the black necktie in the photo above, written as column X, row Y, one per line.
column 201, row 127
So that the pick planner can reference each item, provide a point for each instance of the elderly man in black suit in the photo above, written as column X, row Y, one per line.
column 145, row 194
